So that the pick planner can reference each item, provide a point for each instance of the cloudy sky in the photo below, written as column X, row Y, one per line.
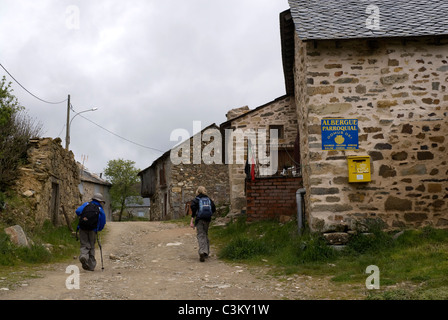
column 149, row 66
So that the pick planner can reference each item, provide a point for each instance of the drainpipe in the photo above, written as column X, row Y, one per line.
column 300, row 219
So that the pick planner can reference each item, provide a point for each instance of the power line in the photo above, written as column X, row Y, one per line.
column 49, row 102
column 71, row 107
column 130, row 141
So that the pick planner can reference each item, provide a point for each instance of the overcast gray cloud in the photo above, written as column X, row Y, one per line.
column 149, row 66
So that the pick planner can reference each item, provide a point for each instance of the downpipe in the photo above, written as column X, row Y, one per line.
column 300, row 220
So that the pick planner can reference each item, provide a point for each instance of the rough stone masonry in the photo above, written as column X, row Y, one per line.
column 47, row 183
column 397, row 90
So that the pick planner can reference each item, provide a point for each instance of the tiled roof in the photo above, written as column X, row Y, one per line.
column 345, row 19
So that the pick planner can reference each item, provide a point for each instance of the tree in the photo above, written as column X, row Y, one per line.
column 16, row 129
column 124, row 176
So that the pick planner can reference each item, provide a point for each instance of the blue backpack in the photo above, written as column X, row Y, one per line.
column 205, row 208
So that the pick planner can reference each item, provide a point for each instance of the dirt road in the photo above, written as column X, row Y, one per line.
column 159, row 261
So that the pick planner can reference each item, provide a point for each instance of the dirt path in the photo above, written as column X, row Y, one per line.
column 159, row 261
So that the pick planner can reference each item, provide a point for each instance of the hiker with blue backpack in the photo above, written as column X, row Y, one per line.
column 202, row 208
column 92, row 220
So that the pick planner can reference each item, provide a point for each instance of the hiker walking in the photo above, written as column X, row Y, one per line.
column 202, row 208
column 92, row 219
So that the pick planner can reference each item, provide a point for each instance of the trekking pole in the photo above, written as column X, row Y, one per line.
column 101, row 250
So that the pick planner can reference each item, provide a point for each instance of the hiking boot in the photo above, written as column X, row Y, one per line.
column 83, row 261
column 202, row 257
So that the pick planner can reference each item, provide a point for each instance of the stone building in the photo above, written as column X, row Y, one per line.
column 91, row 184
column 170, row 184
column 279, row 115
column 48, row 184
column 384, row 65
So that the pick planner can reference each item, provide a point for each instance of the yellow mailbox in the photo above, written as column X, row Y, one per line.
column 359, row 169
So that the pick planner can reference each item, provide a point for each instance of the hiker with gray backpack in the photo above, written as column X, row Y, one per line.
column 202, row 208
column 92, row 220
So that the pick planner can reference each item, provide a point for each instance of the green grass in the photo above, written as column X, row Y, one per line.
column 413, row 266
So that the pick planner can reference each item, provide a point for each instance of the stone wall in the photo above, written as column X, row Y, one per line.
column 182, row 181
column 281, row 111
column 397, row 89
column 159, row 210
column 48, row 182
column 272, row 198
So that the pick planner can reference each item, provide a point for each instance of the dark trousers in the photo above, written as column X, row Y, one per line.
column 87, row 255
column 202, row 235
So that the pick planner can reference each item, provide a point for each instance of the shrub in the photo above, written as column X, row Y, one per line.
column 314, row 249
column 16, row 128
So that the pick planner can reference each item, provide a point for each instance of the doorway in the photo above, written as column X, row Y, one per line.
column 54, row 203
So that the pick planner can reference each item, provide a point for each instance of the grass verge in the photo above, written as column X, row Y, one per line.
column 412, row 266
column 49, row 244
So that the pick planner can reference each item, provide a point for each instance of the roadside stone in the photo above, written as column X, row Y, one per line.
column 17, row 236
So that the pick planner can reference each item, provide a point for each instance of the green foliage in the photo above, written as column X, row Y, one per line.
column 63, row 245
column 416, row 258
column 124, row 178
column 243, row 248
column 268, row 239
column 16, row 128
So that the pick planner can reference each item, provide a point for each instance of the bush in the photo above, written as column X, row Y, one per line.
column 16, row 129
column 270, row 239
column 314, row 249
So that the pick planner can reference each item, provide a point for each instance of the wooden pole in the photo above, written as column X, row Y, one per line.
column 67, row 132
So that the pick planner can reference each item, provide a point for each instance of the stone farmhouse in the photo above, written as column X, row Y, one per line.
column 171, row 185
column 48, row 185
column 279, row 115
column 380, row 69
column 362, row 126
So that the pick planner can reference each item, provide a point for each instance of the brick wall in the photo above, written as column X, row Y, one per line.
column 272, row 198
column 281, row 111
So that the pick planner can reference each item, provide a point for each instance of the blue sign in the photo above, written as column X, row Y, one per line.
column 339, row 134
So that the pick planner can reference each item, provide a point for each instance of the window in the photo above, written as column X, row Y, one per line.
column 280, row 130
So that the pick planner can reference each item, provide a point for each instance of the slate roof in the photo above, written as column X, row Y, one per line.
column 86, row 175
column 346, row 19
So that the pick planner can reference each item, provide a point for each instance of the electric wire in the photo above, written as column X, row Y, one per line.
column 49, row 102
column 113, row 133
column 71, row 107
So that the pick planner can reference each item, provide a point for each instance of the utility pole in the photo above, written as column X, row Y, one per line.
column 67, row 132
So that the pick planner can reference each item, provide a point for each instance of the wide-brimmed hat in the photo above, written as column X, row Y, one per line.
column 98, row 197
